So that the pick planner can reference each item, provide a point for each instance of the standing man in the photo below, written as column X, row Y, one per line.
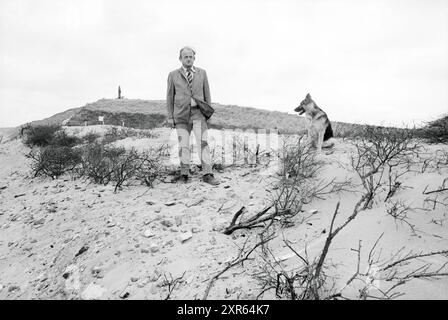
column 185, row 86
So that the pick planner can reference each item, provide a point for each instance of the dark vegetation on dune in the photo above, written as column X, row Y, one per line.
column 436, row 131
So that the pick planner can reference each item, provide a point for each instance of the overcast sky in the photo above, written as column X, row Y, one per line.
column 376, row 62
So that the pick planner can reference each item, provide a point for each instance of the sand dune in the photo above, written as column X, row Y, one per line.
column 70, row 239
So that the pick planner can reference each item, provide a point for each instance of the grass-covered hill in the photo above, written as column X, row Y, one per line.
column 147, row 114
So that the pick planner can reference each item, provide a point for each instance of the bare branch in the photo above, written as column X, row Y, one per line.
column 242, row 256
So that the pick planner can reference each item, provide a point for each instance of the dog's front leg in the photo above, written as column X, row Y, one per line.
column 310, row 132
column 320, row 141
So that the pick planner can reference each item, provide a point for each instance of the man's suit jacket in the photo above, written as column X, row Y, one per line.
column 178, row 96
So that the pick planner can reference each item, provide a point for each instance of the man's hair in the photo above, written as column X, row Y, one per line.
column 186, row 48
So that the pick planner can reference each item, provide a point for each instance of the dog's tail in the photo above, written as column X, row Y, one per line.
column 328, row 132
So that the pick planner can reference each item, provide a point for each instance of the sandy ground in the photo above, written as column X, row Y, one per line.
column 70, row 239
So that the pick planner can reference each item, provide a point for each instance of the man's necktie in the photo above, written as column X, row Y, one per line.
column 189, row 76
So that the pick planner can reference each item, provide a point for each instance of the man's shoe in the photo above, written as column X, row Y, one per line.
column 182, row 178
column 210, row 179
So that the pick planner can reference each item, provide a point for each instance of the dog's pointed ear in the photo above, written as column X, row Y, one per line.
column 308, row 96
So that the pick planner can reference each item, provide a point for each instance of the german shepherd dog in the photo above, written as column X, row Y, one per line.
column 318, row 124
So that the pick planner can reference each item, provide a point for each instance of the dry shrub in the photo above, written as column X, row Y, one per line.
column 298, row 171
column 53, row 161
column 299, row 179
column 381, row 157
column 46, row 135
column 134, row 165
column 98, row 162
column 39, row 135
column 103, row 164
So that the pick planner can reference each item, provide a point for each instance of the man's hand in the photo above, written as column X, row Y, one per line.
column 170, row 123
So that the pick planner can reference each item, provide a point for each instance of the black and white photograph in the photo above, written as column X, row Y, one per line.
column 249, row 151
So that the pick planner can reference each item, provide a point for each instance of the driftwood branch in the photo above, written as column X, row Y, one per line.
column 442, row 188
column 352, row 278
column 171, row 283
column 252, row 222
column 330, row 237
column 414, row 256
